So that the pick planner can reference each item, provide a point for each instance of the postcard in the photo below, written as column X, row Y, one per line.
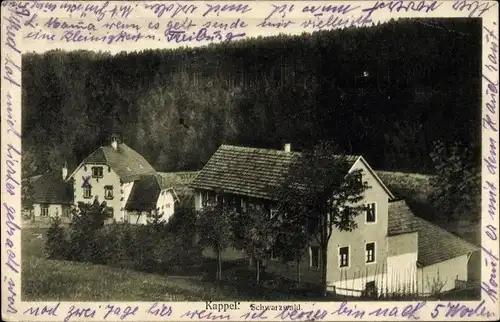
column 250, row 160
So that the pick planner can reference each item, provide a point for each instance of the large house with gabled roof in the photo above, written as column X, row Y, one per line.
column 392, row 250
column 121, row 177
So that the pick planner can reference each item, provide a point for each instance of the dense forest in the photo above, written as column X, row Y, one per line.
column 387, row 92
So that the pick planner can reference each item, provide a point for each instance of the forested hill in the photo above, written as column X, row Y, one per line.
column 386, row 92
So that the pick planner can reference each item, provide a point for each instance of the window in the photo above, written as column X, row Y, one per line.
column 371, row 213
column 45, row 210
column 87, row 192
column 108, row 192
column 314, row 256
column 97, row 172
column 272, row 213
column 204, row 198
column 370, row 252
column 66, row 212
column 167, row 205
column 344, row 256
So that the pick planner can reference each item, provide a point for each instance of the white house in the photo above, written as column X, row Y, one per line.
column 390, row 251
column 127, row 183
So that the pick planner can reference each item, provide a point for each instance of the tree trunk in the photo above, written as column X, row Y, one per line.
column 219, row 265
column 323, row 269
column 257, row 265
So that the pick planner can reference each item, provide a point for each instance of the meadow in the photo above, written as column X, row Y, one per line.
column 58, row 280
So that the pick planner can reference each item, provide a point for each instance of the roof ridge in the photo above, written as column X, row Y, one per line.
column 279, row 150
column 254, row 148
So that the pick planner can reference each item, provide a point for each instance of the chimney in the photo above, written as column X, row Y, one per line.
column 114, row 142
column 65, row 171
column 288, row 147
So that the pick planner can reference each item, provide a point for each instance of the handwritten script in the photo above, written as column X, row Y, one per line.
column 489, row 285
column 201, row 23
column 164, row 311
column 31, row 25
column 13, row 19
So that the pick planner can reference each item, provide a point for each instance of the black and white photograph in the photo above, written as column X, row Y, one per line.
column 337, row 165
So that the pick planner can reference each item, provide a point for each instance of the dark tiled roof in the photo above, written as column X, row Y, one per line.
column 127, row 163
column 145, row 193
column 180, row 181
column 248, row 171
column 434, row 243
column 52, row 189
column 407, row 185
column 401, row 219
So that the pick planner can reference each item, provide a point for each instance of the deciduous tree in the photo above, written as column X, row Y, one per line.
column 214, row 229
column 258, row 234
column 321, row 188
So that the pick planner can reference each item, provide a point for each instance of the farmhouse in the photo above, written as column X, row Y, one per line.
column 128, row 184
column 392, row 250
column 52, row 196
column 115, row 174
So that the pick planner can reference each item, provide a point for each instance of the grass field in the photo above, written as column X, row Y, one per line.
column 55, row 280
column 49, row 280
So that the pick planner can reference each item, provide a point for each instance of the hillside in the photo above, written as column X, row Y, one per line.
column 386, row 92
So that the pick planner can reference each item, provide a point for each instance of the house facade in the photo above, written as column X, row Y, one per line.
column 52, row 196
column 384, row 253
column 121, row 177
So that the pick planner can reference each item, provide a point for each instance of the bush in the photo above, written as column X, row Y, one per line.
column 177, row 256
column 118, row 244
column 87, row 240
column 56, row 242
column 155, row 247
column 147, row 245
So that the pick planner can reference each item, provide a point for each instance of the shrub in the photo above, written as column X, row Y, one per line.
column 87, row 241
column 56, row 242
column 154, row 247
column 178, row 257
column 147, row 247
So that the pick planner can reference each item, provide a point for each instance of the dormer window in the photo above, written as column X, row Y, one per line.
column 108, row 192
column 96, row 172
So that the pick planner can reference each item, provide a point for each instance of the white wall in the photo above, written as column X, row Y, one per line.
column 366, row 232
column 55, row 210
column 166, row 204
column 136, row 217
column 402, row 274
column 197, row 200
column 110, row 178
column 126, row 188
column 444, row 272
column 346, row 287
